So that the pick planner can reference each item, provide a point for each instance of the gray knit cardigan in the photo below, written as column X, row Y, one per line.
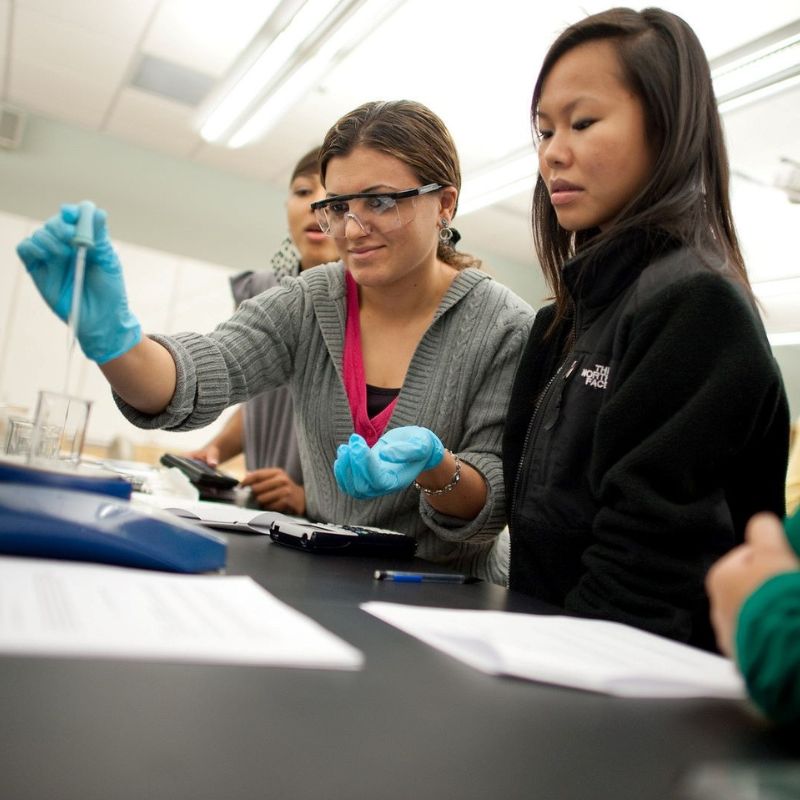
column 457, row 385
column 269, row 438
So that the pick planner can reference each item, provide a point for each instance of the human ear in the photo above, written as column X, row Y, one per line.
column 447, row 201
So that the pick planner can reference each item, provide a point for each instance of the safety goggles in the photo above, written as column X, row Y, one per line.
column 372, row 211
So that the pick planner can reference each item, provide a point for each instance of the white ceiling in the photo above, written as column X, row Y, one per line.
column 473, row 63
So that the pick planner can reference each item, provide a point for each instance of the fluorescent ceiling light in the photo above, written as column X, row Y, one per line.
column 784, row 339
column 763, row 67
column 268, row 64
column 283, row 69
column 246, row 89
column 280, row 101
column 513, row 175
column 757, row 94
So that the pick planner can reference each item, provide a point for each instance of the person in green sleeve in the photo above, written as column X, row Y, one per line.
column 755, row 610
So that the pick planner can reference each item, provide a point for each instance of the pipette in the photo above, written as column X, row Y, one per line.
column 82, row 240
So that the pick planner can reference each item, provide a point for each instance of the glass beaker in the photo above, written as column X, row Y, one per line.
column 18, row 436
column 59, row 427
column 7, row 413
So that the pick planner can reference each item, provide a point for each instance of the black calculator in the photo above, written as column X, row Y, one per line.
column 319, row 537
column 199, row 473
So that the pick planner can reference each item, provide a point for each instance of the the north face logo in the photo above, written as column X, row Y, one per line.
column 597, row 377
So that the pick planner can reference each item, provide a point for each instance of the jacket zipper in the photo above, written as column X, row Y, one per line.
column 539, row 403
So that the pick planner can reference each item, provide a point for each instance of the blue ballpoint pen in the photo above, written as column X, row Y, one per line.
column 422, row 577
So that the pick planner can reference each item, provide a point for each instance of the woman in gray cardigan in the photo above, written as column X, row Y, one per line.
column 399, row 350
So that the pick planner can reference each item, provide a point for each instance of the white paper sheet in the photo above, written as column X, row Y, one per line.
column 204, row 509
column 586, row 654
column 56, row 608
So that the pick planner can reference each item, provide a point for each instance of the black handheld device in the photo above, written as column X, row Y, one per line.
column 199, row 473
column 319, row 537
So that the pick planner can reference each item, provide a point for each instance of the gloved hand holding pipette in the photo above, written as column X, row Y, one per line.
column 106, row 326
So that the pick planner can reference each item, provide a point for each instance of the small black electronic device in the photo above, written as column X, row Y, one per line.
column 318, row 537
column 199, row 473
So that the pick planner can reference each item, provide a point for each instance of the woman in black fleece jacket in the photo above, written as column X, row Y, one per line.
column 648, row 419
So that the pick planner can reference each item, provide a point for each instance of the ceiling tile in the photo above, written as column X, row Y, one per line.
column 59, row 93
column 49, row 42
column 120, row 20
column 212, row 35
column 153, row 121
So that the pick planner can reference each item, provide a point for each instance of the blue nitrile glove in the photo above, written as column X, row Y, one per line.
column 106, row 326
column 390, row 465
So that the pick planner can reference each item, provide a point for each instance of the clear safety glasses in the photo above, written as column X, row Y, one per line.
column 372, row 211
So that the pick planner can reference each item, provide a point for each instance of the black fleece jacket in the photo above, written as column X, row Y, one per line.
column 635, row 455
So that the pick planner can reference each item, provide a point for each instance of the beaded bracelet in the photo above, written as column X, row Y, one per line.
column 450, row 486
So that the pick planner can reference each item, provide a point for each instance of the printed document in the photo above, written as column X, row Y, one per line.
column 587, row 654
column 64, row 609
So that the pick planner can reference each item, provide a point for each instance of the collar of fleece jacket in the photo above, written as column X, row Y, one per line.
column 600, row 272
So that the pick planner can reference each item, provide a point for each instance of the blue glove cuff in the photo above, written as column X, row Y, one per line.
column 437, row 453
column 125, row 338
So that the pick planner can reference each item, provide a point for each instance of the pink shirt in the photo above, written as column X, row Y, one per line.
column 353, row 369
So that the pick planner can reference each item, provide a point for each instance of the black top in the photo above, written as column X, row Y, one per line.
column 634, row 457
column 378, row 398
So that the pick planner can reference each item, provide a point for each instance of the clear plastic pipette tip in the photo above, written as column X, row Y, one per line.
column 74, row 312
column 83, row 238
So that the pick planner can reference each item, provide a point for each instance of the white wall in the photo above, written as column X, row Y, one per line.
column 152, row 200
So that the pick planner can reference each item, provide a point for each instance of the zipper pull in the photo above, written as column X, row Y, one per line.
column 552, row 417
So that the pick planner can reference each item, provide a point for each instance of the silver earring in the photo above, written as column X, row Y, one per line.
column 445, row 232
